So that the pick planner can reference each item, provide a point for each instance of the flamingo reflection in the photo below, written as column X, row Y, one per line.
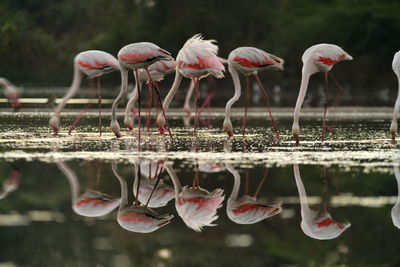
column 318, row 225
column 195, row 205
column 11, row 183
column 247, row 209
column 91, row 203
column 395, row 213
column 137, row 217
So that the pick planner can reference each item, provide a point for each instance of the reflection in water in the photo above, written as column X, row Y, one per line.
column 11, row 183
column 195, row 205
column 137, row 217
column 152, row 189
column 247, row 209
column 317, row 225
column 92, row 203
column 396, row 208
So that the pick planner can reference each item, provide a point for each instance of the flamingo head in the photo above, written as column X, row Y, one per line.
column 54, row 123
column 115, row 128
column 228, row 128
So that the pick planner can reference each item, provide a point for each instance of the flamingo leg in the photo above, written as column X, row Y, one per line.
column 262, row 182
column 149, row 100
column 196, row 118
column 196, row 177
column 325, row 107
column 266, row 98
column 99, row 103
column 154, row 188
column 337, row 99
column 82, row 112
column 160, row 101
column 246, row 105
column 139, row 110
column 246, row 183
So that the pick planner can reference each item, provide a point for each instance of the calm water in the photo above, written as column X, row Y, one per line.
column 248, row 201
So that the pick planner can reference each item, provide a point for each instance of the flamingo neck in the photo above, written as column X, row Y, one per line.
column 173, row 90
column 393, row 126
column 124, row 186
column 305, row 210
column 302, row 93
column 122, row 92
column 397, row 175
column 175, row 180
column 76, row 82
column 236, row 185
column 134, row 98
column 72, row 179
column 236, row 96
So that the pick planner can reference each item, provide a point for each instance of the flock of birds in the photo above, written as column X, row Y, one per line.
column 197, row 59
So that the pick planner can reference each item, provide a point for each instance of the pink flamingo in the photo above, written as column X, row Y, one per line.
column 196, row 206
column 247, row 209
column 136, row 56
column 91, row 203
column 249, row 61
column 11, row 92
column 317, row 225
column 157, row 72
column 137, row 217
column 317, row 58
column 396, row 69
column 197, row 59
column 92, row 63
column 152, row 190
column 11, row 183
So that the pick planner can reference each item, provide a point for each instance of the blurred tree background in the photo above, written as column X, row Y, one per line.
column 39, row 38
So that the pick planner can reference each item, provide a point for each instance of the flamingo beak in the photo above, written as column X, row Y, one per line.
column 15, row 102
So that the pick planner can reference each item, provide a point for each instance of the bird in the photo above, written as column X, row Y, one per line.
column 396, row 69
column 11, row 183
column 11, row 92
column 395, row 212
column 92, row 63
column 318, row 225
column 135, row 56
column 195, row 205
column 247, row 209
column 249, row 61
column 137, row 217
column 152, row 190
column 211, row 167
column 196, row 59
column 91, row 203
column 157, row 71
column 317, row 58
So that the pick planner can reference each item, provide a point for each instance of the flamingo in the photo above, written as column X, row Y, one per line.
column 317, row 225
column 196, row 206
column 209, row 167
column 157, row 72
column 396, row 69
column 136, row 56
column 92, row 63
column 152, row 189
column 91, row 203
column 197, row 59
column 11, row 92
column 137, row 217
column 395, row 212
column 317, row 58
column 247, row 209
column 249, row 61
column 11, row 183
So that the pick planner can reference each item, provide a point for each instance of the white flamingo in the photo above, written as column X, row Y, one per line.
column 197, row 59
column 11, row 92
column 317, row 58
column 317, row 225
column 91, row 203
column 137, row 217
column 247, row 209
column 396, row 69
column 395, row 213
column 92, row 63
column 11, row 183
column 196, row 206
column 249, row 61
